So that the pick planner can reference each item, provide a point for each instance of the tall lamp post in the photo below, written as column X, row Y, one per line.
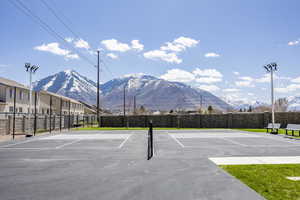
column 31, row 69
column 271, row 68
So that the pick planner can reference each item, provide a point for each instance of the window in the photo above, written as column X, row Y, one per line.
column 11, row 109
column 47, row 111
column 11, row 93
column 20, row 110
column 21, row 94
column 43, row 111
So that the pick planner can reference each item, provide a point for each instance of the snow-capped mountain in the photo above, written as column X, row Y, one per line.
column 293, row 103
column 71, row 84
column 151, row 92
column 156, row 94
column 243, row 104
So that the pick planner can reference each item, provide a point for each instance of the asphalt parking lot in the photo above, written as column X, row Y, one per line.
column 112, row 165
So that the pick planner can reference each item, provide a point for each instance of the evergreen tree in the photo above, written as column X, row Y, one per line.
column 210, row 109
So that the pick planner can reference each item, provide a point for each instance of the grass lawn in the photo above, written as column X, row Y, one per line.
column 281, row 131
column 269, row 180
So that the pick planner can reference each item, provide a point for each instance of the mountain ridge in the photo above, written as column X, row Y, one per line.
column 151, row 92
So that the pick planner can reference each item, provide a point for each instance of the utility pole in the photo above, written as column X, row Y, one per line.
column 31, row 69
column 124, row 101
column 272, row 67
column 98, row 85
column 134, row 104
column 201, row 103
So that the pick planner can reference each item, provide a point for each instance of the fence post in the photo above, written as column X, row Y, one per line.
column 229, row 120
column 60, row 113
column 50, row 122
column 14, row 116
column 24, row 124
column 54, row 124
column 35, row 99
column 69, row 122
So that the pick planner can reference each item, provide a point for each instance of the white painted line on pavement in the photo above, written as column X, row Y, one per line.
column 23, row 142
column 256, row 160
column 122, row 144
column 235, row 142
column 176, row 140
column 67, row 144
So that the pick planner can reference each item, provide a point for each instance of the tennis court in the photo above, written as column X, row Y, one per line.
column 113, row 164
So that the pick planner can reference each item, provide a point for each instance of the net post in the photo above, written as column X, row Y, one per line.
column 150, row 141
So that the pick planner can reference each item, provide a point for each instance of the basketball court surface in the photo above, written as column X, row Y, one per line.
column 113, row 165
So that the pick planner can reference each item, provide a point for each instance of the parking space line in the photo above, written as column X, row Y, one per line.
column 67, row 144
column 122, row 144
column 176, row 140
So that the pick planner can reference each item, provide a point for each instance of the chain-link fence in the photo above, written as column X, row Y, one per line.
column 25, row 124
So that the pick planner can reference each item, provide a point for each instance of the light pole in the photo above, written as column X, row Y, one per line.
column 98, row 89
column 31, row 69
column 272, row 67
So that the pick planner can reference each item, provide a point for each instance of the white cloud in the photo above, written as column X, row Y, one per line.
column 112, row 55
column 236, row 73
column 229, row 90
column 178, row 75
column 208, row 72
column 80, row 43
column 212, row 55
column 296, row 80
column 179, row 44
column 162, row 55
column 267, row 78
column 207, row 76
column 72, row 56
column 293, row 43
column 185, row 41
column 3, row 65
column 208, row 80
column 289, row 88
column 115, row 45
column 246, row 78
column 264, row 79
column 250, row 94
column 135, row 44
column 55, row 49
column 69, row 39
column 244, row 84
column 169, row 51
column 210, row 88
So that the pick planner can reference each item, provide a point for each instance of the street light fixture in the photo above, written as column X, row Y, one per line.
column 31, row 69
column 271, row 68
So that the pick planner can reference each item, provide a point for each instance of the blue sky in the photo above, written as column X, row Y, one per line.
column 215, row 45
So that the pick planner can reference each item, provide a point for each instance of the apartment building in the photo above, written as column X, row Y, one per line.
column 55, row 103
column 8, row 89
column 46, row 101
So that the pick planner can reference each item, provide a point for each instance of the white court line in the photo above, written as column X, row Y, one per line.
column 234, row 142
column 122, row 144
column 66, row 144
column 281, row 140
column 23, row 142
column 176, row 140
column 256, row 160
column 25, row 148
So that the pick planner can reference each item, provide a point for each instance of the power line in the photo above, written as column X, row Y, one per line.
column 58, row 18
column 28, row 12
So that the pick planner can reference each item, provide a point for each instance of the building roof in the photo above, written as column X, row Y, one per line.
column 60, row 96
column 7, row 82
